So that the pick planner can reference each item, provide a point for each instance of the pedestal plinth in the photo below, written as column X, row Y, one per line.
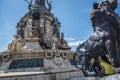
column 32, row 43
column 45, row 64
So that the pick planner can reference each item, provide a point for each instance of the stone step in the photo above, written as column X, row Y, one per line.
column 85, row 78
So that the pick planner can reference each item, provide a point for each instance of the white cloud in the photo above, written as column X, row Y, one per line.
column 70, row 39
column 74, row 43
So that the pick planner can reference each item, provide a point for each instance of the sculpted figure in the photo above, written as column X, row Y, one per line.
column 29, row 6
column 64, row 44
column 20, row 32
column 35, row 32
column 49, row 5
column 62, row 38
column 105, row 38
column 108, row 8
column 54, row 42
column 29, row 33
column 40, row 2
column 13, row 45
column 20, row 42
column 106, row 27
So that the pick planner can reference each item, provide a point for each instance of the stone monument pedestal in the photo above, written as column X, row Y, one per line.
column 32, row 44
column 38, row 65
column 41, row 53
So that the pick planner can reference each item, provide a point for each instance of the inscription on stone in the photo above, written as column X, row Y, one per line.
column 26, row 63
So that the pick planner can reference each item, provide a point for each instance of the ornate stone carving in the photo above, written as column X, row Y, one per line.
column 105, row 39
column 30, row 22
column 106, row 24
column 54, row 42
column 29, row 6
column 36, row 45
column 49, row 5
column 58, row 61
column 49, row 55
column 13, row 44
column 40, row 2
column 64, row 44
column 20, row 43
column 42, row 24
column 64, row 55
column 6, row 57
column 35, row 32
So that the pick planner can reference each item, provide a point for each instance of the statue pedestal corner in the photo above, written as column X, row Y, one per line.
column 32, row 44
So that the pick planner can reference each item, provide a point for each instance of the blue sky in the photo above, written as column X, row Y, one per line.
column 74, row 16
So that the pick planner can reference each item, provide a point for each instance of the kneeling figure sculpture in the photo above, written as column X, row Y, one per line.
column 105, row 39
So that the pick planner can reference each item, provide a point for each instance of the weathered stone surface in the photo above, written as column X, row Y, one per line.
column 85, row 78
column 111, row 77
column 32, row 44
column 39, row 75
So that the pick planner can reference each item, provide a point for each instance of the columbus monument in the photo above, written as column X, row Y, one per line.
column 38, row 51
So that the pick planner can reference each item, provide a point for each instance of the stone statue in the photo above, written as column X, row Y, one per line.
column 106, row 27
column 35, row 32
column 54, row 42
column 64, row 44
column 56, row 28
column 63, row 41
column 20, row 28
column 20, row 42
column 56, row 31
column 105, row 38
column 29, row 5
column 62, row 38
column 17, row 43
column 20, row 32
column 40, row 2
column 108, row 8
column 29, row 32
column 13, row 45
column 49, row 5
column 95, row 7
